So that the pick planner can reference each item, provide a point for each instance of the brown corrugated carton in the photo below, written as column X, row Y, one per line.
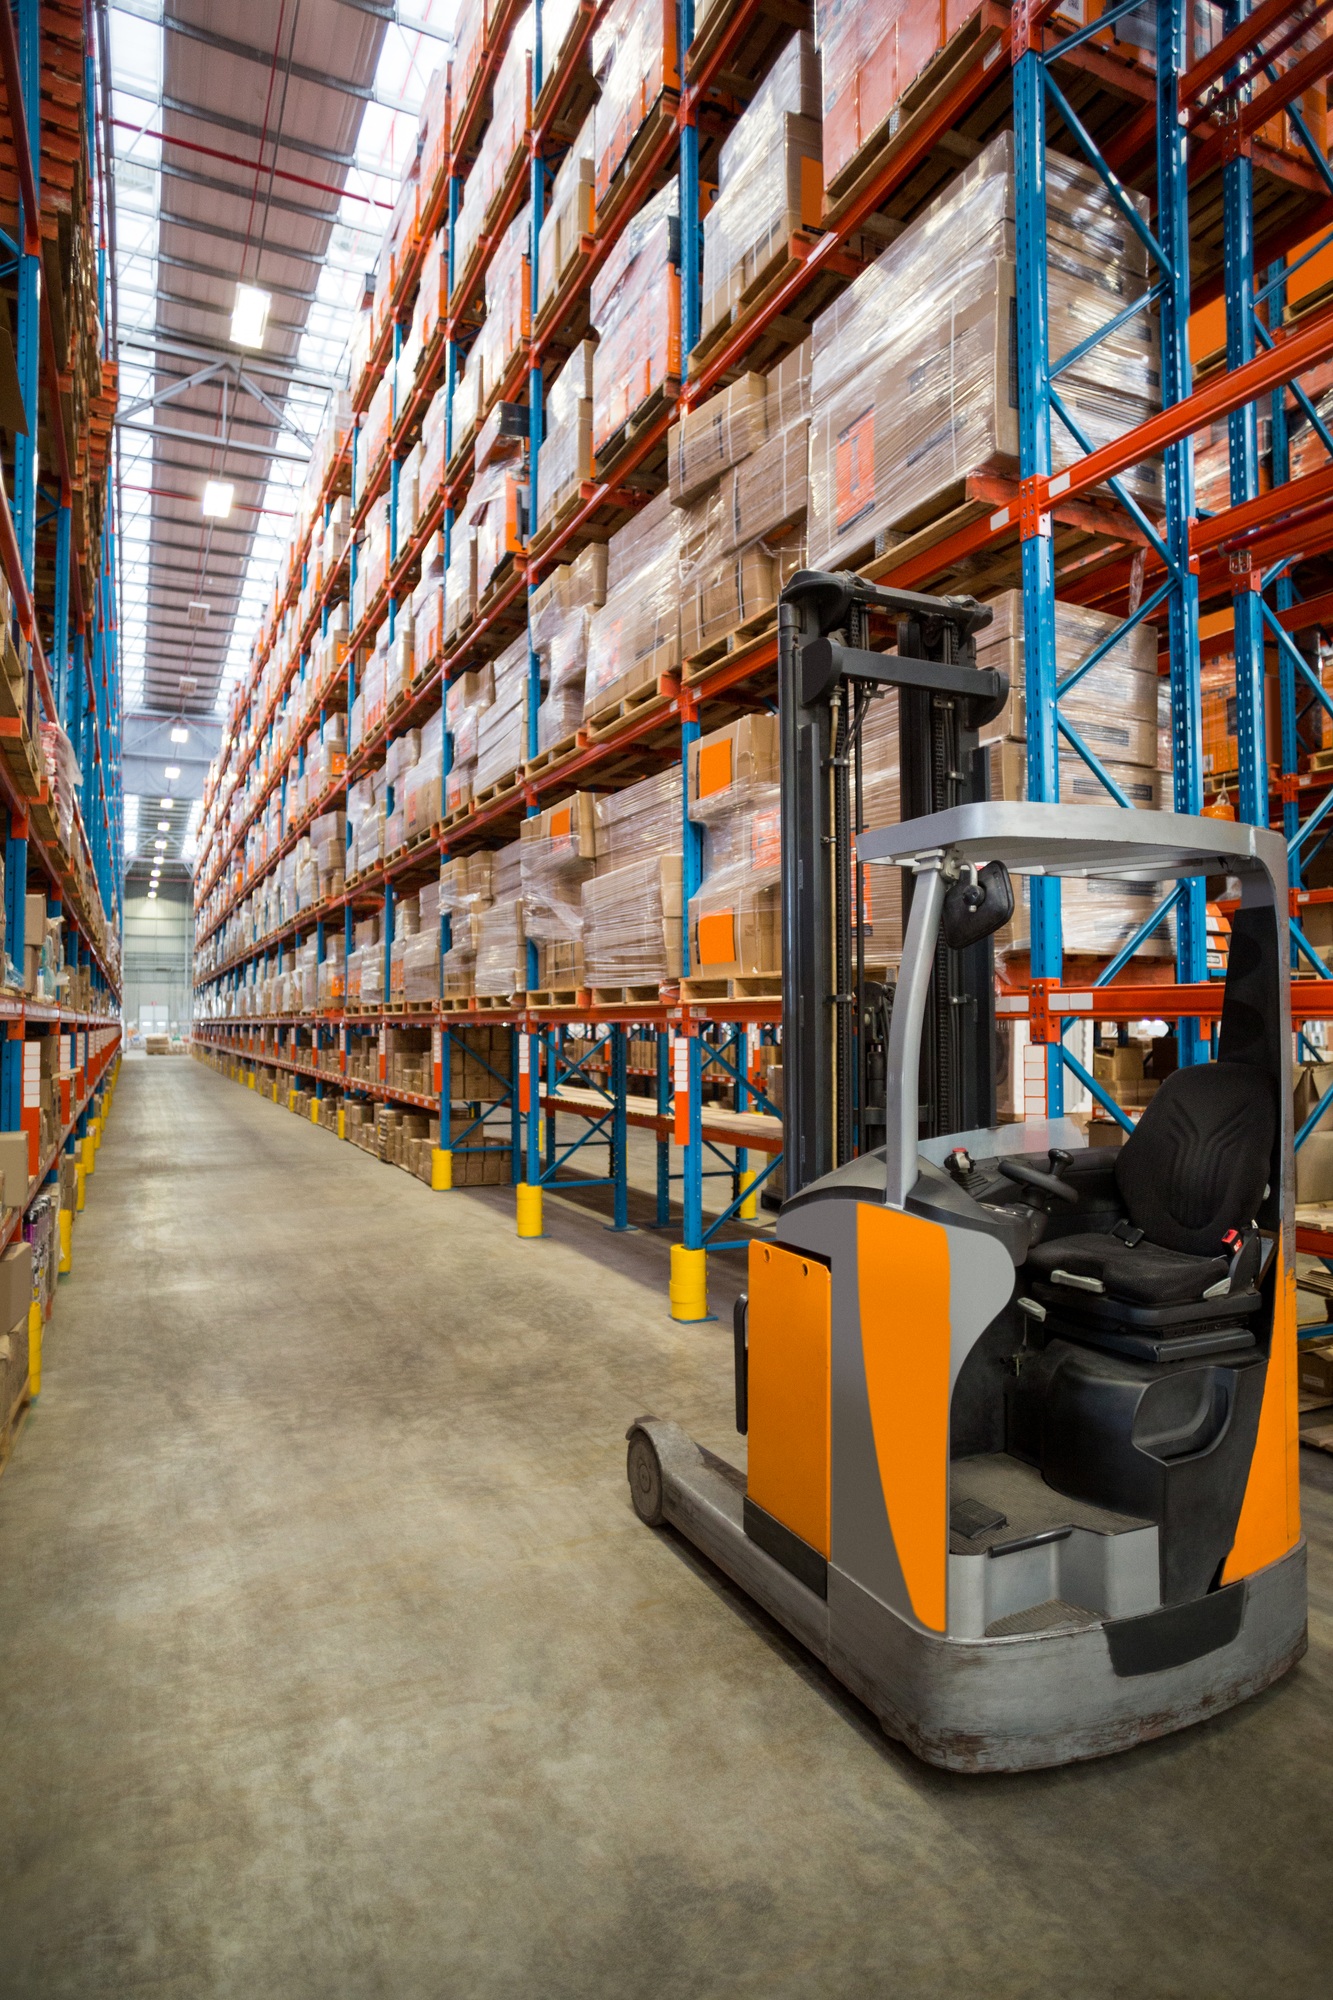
column 717, row 434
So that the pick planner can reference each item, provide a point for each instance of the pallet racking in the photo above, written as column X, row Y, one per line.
column 1235, row 193
column 59, row 677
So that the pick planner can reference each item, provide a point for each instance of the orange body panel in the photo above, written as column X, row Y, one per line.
column 1270, row 1514
column 789, row 1334
column 903, row 1283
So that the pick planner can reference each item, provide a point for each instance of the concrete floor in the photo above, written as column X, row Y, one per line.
column 334, row 1664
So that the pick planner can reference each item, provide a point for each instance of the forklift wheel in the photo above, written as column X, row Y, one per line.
column 645, row 1478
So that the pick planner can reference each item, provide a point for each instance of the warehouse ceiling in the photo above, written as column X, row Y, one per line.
column 259, row 147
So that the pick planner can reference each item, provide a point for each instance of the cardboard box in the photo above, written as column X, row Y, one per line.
column 573, row 820
column 1314, row 1369
column 770, row 488
column 721, row 595
column 715, row 436
column 15, row 1283
column 14, row 1174
column 13, row 1366
column 732, row 937
column 739, row 758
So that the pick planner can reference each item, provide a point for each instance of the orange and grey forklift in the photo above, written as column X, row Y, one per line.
column 1020, row 1412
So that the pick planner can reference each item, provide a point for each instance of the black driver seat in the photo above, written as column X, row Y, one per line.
column 1190, row 1180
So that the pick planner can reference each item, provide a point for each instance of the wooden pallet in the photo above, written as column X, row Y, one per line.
column 748, row 633
column 660, row 403
column 555, row 753
column 495, row 794
column 752, row 986
column 558, row 996
column 643, row 702
column 646, row 995
column 834, row 273
column 410, row 1006
column 973, row 43
column 499, row 1003
column 554, row 526
column 458, row 1003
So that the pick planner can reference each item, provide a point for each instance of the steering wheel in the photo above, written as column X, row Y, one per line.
column 1033, row 1177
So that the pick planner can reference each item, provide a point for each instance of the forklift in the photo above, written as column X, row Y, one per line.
column 1020, row 1412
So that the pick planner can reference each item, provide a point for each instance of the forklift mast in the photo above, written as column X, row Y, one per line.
column 834, row 1022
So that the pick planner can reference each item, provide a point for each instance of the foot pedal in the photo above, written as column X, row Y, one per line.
column 971, row 1518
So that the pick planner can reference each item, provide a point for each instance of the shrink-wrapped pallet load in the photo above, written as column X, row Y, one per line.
column 907, row 403
column 635, row 636
column 569, row 217
column 770, row 184
column 635, row 306
column 501, row 739
column 565, row 460
column 635, row 60
column 557, row 854
column 632, row 906
column 734, row 916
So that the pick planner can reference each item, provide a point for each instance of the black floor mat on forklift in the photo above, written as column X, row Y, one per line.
column 1026, row 1505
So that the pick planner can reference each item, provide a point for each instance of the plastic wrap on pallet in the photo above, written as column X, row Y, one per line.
column 501, row 747
column 870, row 56
column 734, row 916
column 1098, row 917
column 1113, row 707
column 508, row 312
column 707, row 441
column 421, row 965
column 501, row 949
column 645, row 818
column 458, row 972
column 460, row 583
column 569, row 218
column 557, row 854
column 770, row 181
column 631, row 922
column 511, row 110
column 496, row 512
column 635, row 636
column 634, row 58
column 907, row 404
column 635, row 306
column 63, row 779
column 565, row 459
column 770, row 489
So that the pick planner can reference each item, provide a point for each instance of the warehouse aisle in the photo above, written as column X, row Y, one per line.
column 333, row 1661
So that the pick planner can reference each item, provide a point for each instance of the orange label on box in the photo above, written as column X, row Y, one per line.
column 714, row 767
column 854, row 470
column 812, row 193
column 562, row 823
column 717, row 938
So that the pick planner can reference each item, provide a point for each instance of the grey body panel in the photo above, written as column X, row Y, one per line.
column 1011, row 1704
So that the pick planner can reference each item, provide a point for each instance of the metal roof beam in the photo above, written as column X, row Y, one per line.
column 198, row 347
column 227, row 277
column 209, row 440
column 216, row 184
column 363, row 93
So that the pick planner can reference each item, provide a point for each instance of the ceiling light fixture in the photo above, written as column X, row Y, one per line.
column 218, row 496
column 163, row 804
column 152, row 895
column 179, row 733
column 249, row 316
column 173, row 772
column 164, row 826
